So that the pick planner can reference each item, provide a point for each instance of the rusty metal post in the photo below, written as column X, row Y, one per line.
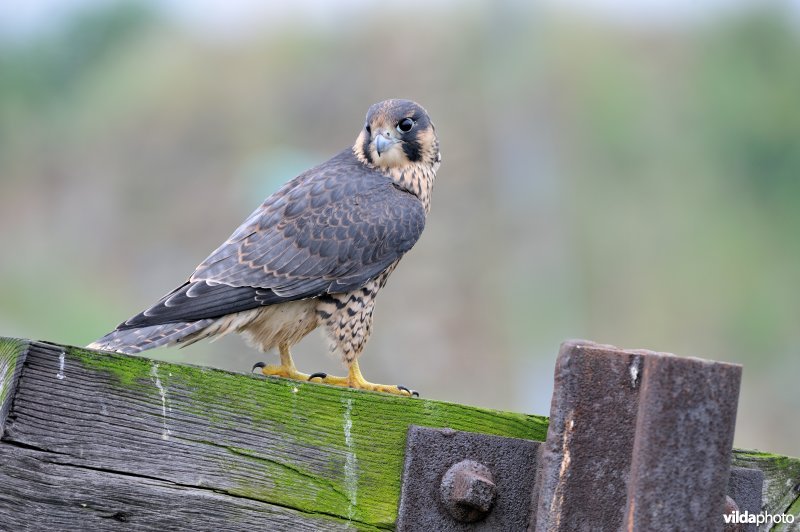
column 586, row 458
column 637, row 441
column 684, row 440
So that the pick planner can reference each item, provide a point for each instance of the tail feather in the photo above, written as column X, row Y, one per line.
column 138, row 339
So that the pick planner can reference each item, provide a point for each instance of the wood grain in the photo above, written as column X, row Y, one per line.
column 12, row 358
column 46, row 491
column 102, row 441
column 155, row 429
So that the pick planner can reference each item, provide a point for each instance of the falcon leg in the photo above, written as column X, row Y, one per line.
column 356, row 380
column 286, row 368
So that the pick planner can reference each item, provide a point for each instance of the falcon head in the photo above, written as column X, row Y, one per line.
column 397, row 133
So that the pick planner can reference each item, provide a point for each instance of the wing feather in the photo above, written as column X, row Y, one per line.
column 332, row 229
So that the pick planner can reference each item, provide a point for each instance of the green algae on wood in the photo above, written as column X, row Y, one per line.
column 332, row 456
column 781, row 480
column 12, row 355
column 320, row 450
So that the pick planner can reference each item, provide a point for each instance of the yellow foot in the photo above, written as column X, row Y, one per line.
column 286, row 368
column 289, row 372
column 357, row 381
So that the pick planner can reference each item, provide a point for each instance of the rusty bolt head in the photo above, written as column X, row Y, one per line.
column 468, row 491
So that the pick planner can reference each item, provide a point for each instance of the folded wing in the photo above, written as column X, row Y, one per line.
column 330, row 230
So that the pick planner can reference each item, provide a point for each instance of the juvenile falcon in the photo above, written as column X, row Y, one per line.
column 315, row 253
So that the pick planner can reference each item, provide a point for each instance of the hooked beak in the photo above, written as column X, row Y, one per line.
column 383, row 142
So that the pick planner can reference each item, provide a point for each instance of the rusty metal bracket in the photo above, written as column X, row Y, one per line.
column 745, row 488
column 464, row 481
column 638, row 440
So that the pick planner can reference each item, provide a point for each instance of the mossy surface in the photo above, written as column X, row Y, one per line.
column 781, row 481
column 334, row 454
column 126, row 370
column 339, row 452
column 10, row 351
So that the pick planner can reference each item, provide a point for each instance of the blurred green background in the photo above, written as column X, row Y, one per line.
column 616, row 173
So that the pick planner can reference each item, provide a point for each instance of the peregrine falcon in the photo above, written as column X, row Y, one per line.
column 315, row 253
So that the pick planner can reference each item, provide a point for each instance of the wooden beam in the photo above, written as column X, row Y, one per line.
column 100, row 438
column 107, row 441
column 12, row 357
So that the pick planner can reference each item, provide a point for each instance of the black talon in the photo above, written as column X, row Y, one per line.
column 317, row 375
column 412, row 393
column 257, row 365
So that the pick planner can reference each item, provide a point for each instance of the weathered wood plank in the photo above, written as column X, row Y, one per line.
column 12, row 357
column 307, row 447
column 119, row 434
column 781, row 482
column 46, row 491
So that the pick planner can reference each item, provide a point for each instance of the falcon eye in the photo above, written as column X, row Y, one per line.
column 405, row 125
column 369, row 129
